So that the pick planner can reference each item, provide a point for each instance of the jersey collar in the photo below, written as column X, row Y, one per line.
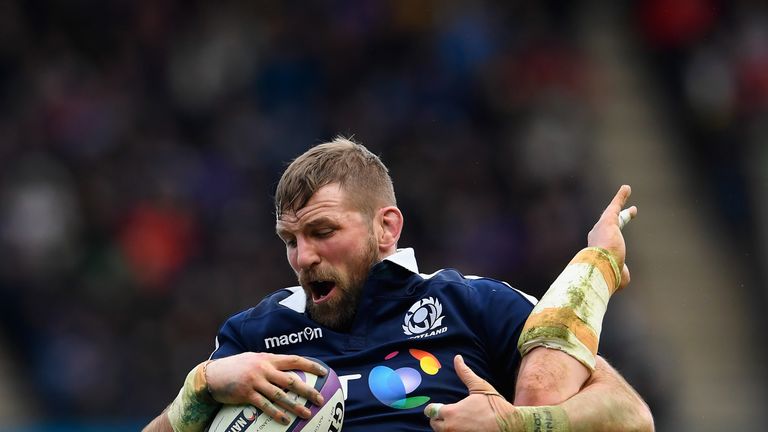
column 405, row 258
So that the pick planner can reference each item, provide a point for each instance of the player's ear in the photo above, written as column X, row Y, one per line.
column 389, row 221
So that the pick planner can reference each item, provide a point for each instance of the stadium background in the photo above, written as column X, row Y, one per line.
column 140, row 143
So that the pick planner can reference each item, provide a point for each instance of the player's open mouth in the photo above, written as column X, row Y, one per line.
column 321, row 290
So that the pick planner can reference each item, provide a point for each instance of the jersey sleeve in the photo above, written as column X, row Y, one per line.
column 235, row 337
column 229, row 340
column 502, row 312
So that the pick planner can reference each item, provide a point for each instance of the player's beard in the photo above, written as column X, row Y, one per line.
column 338, row 312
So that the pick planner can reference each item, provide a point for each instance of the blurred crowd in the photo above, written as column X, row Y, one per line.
column 711, row 61
column 141, row 141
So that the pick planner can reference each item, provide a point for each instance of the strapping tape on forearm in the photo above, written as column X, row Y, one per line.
column 194, row 407
column 544, row 419
column 570, row 315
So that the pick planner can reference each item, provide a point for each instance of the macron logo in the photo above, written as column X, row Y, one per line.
column 293, row 338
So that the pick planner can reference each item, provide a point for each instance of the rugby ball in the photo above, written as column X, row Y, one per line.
column 327, row 418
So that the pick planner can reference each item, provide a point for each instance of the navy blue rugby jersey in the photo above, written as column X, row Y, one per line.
column 398, row 356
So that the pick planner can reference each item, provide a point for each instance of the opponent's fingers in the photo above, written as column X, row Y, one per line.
column 470, row 379
column 436, row 413
column 625, row 277
column 259, row 401
column 433, row 411
column 437, row 425
column 617, row 203
column 622, row 196
column 627, row 215
column 288, row 362
column 290, row 382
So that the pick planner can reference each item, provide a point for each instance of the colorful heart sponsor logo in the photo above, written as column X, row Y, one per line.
column 393, row 387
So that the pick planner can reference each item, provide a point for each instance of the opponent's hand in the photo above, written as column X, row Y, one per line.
column 606, row 233
column 484, row 410
column 259, row 379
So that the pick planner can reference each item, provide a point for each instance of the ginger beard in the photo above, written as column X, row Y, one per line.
column 338, row 311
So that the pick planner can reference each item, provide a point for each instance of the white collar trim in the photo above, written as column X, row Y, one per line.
column 297, row 300
column 405, row 258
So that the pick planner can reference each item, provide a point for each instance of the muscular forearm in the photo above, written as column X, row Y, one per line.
column 548, row 377
column 607, row 403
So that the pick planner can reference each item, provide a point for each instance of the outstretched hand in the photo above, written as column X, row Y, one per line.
column 483, row 410
column 259, row 379
column 607, row 234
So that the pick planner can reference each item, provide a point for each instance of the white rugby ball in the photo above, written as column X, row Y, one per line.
column 327, row 418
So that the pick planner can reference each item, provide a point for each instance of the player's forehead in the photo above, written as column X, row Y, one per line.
column 328, row 202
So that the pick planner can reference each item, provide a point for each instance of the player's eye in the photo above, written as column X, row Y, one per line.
column 325, row 232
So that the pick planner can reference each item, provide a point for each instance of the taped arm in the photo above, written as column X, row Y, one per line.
column 606, row 403
column 560, row 339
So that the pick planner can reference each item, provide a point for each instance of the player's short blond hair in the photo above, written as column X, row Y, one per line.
column 360, row 173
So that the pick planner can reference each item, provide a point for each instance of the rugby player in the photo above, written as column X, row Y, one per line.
column 364, row 308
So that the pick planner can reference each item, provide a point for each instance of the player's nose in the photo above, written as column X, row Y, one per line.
column 306, row 254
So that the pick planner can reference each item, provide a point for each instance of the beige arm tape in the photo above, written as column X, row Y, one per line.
column 194, row 407
column 570, row 315
column 550, row 418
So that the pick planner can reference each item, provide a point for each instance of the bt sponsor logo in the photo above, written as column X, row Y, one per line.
column 392, row 387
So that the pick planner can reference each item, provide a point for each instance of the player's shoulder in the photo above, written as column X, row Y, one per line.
column 476, row 286
column 285, row 300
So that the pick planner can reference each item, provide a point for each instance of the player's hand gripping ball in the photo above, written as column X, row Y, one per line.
column 326, row 418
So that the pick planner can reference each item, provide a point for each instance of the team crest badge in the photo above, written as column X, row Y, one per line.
column 424, row 318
